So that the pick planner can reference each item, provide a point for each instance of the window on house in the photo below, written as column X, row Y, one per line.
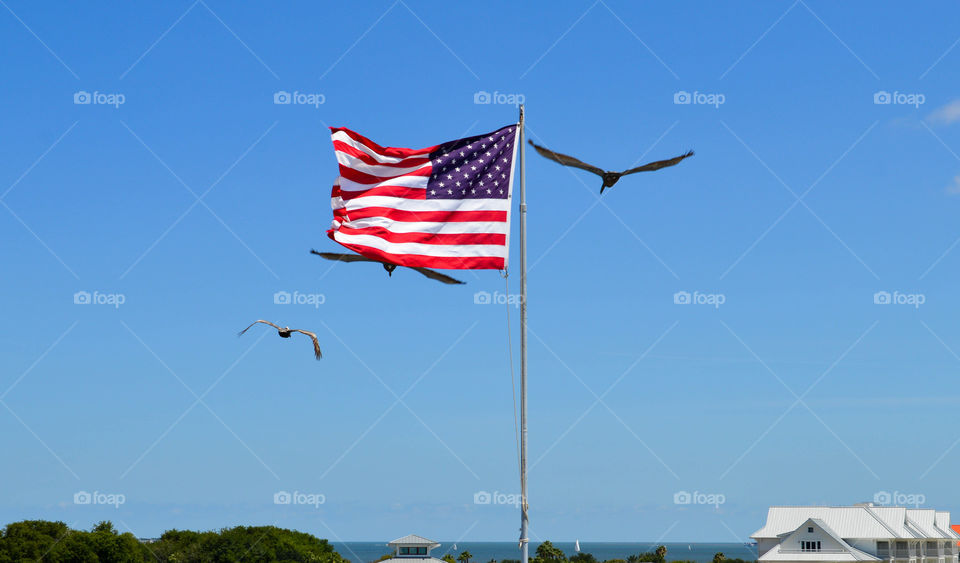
column 810, row 546
column 421, row 551
column 404, row 551
column 810, row 530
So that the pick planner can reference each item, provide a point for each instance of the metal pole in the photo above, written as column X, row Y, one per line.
column 524, row 518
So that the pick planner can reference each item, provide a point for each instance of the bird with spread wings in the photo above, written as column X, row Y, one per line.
column 609, row 178
column 432, row 274
column 285, row 332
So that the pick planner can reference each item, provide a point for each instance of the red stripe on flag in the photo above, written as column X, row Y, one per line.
column 428, row 238
column 395, row 152
column 354, row 152
column 387, row 191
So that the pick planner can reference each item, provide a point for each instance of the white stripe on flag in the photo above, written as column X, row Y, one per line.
column 438, row 250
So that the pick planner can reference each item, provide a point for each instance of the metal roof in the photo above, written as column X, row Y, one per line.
column 414, row 539
column 860, row 521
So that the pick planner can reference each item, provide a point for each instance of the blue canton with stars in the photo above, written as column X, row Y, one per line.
column 473, row 168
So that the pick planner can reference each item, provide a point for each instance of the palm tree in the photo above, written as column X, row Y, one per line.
column 719, row 557
column 464, row 556
column 662, row 552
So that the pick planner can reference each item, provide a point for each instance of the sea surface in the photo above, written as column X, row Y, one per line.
column 366, row 552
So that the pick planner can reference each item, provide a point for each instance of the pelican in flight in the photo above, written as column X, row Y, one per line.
column 609, row 178
column 285, row 332
column 432, row 274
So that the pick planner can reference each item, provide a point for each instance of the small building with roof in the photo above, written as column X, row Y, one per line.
column 413, row 549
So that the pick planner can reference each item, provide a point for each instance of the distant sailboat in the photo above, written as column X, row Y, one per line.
column 454, row 547
column 576, row 546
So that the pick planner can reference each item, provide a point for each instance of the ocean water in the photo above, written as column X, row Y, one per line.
column 365, row 552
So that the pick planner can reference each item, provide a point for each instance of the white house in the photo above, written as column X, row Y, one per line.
column 414, row 549
column 862, row 532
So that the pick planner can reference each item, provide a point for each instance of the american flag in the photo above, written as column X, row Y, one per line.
column 445, row 206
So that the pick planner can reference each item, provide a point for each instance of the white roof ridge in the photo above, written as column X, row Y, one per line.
column 880, row 520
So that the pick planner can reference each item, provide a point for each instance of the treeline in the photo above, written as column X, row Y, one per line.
column 548, row 553
column 38, row 540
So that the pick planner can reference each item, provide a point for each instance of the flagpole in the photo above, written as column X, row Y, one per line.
column 524, row 518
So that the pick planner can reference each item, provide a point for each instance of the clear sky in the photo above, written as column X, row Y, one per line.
column 183, row 191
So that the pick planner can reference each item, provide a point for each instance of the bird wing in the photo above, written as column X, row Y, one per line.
column 435, row 275
column 316, row 343
column 657, row 165
column 566, row 160
column 259, row 321
column 340, row 257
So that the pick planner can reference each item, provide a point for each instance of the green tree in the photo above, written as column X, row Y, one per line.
column 547, row 553
column 55, row 542
column 449, row 558
column 464, row 556
column 718, row 557
column 583, row 557
column 661, row 553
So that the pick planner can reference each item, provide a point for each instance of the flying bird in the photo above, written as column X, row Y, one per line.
column 432, row 274
column 285, row 332
column 609, row 178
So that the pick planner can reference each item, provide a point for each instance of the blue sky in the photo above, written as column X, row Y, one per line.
column 197, row 198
